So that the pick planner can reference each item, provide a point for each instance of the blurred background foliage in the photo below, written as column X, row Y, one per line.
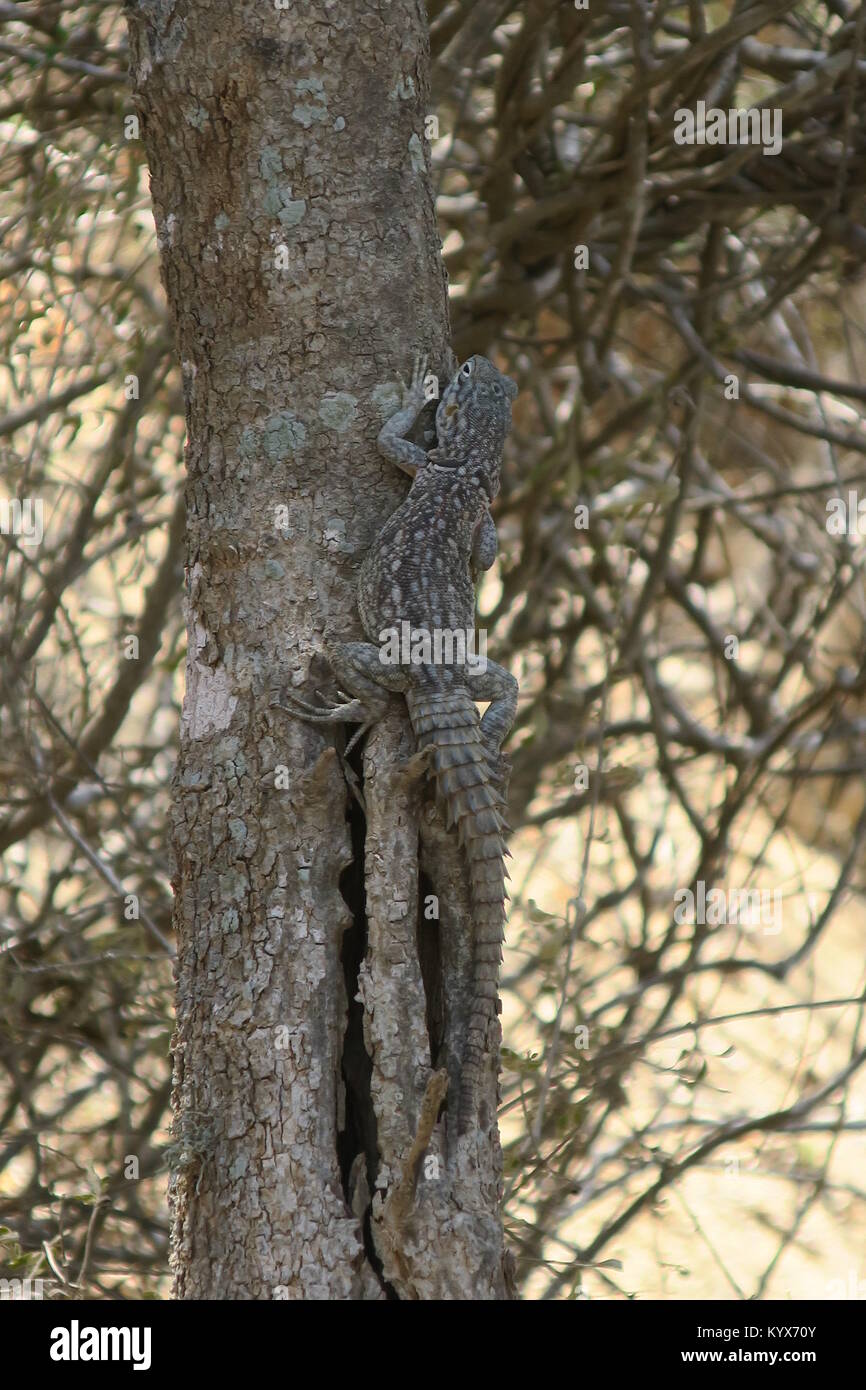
column 683, row 1102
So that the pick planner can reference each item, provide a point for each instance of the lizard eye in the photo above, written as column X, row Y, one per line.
column 466, row 369
column 497, row 389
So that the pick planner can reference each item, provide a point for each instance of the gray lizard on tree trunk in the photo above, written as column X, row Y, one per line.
column 416, row 586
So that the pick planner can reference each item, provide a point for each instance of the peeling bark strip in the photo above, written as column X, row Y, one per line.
column 301, row 261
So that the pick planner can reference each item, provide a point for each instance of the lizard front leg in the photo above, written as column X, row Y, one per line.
column 392, row 445
column 485, row 543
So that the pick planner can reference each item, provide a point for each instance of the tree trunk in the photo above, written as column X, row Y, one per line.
column 295, row 217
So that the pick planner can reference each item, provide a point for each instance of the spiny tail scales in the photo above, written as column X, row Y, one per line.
column 446, row 721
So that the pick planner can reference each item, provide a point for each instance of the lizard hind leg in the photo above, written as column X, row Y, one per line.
column 497, row 685
column 364, row 681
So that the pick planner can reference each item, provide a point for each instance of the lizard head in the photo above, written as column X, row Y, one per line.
column 474, row 416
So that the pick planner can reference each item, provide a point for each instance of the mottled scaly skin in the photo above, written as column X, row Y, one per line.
column 418, row 567
column 419, row 571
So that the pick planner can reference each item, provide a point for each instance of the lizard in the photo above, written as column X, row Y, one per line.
column 419, row 570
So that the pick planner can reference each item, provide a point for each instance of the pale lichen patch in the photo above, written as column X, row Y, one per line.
column 311, row 112
column 386, row 398
column 416, row 154
column 284, row 433
column 338, row 410
column 209, row 703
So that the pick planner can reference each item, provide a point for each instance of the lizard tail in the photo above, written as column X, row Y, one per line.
column 447, row 721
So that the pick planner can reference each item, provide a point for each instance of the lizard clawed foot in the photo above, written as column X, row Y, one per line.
column 348, row 711
column 414, row 393
column 416, row 766
column 500, row 768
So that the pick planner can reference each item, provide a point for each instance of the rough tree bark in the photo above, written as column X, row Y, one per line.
column 295, row 216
